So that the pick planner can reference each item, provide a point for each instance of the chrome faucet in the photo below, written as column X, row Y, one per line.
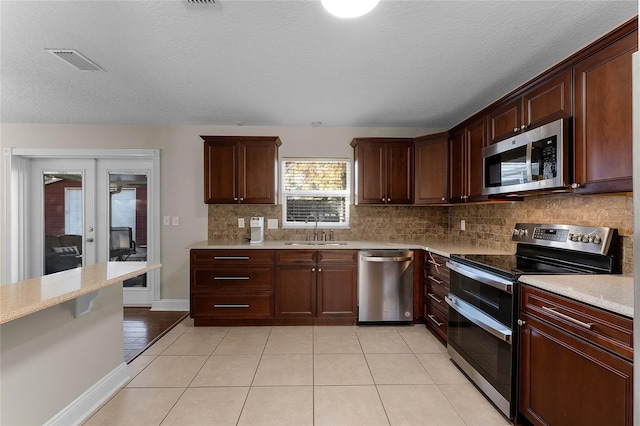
column 315, row 232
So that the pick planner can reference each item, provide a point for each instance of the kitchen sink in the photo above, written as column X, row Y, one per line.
column 314, row 243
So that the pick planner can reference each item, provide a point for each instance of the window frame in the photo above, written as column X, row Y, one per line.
column 348, row 194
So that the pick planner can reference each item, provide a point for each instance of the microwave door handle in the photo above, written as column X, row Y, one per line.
column 529, row 171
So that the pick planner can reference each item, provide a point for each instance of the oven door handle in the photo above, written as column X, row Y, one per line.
column 480, row 319
column 483, row 277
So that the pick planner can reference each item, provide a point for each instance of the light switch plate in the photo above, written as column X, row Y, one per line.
column 463, row 225
column 272, row 223
column 175, row 220
column 241, row 222
column 166, row 221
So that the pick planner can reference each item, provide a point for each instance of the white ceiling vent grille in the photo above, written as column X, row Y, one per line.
column 201, row 1
column 73, row 57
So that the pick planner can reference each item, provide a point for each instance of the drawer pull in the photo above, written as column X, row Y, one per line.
column 435, row 280
column 230, row 278
column 231, row 257
column 434, row 263
column 228, row 305
column 432, row 318
column 586, row 325
column 433, row 296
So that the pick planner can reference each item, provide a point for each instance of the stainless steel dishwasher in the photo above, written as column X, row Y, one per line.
column 385, row 286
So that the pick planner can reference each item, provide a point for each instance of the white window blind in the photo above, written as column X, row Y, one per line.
column 315, row 188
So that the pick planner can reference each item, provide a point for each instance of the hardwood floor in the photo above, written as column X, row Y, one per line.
column 142, row 326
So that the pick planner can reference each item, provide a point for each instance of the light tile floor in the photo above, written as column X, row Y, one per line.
column 296, row 376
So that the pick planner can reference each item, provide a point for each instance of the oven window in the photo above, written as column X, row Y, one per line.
column 489, row 355
column 494, row 302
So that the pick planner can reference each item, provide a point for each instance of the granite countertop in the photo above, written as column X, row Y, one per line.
column 33, row 295
column 611, row 292
column 442, row 247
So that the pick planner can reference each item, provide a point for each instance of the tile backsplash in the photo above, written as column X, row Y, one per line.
column 487, row 225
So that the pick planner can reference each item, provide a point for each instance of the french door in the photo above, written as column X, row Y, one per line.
column 88, row 210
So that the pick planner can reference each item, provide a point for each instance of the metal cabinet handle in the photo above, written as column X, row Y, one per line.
column 313, row 269
column 89, row 240
column 524, row 126
column 521, row 322
column 432, row 318
column 319, row 269
column 575, row 185
column 435, row 280
column 241, row 199
column 433, row 296
column 229, row 305
column 235, row 198
column 515, row 130
column 230, row 278
column 582, row 324
column 230, row 257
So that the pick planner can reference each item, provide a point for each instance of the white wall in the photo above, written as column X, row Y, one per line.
column 181, row 170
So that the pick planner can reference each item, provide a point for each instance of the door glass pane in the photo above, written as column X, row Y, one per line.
column 128, row 221
column 63, row 221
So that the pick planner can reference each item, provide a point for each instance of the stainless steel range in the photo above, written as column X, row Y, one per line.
column 483, row 298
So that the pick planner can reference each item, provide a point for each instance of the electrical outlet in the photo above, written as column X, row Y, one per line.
column 166, row 221
column 241, row 222
column 175, row 220
column 272, row 223
column 463, row 225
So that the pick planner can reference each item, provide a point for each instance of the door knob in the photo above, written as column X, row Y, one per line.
column 89, row 240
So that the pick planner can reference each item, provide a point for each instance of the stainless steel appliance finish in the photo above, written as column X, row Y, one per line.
column 533, row 160
column 385, row 286
column 484, row 291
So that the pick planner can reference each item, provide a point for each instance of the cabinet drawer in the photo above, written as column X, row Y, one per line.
column 232, row 278
column 436, row 320
column 435, row 267
column 608, row 330
column 232, row 257
column 296, row 257
column 240, row 306
column 337, row 256
column 436, row 294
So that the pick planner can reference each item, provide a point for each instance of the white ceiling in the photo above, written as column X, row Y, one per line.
column 285, row 63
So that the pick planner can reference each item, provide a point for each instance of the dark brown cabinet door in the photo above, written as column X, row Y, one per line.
column 476, row 140
column 240, row 169
column 603, row 118
column 295, row 291
column 431, row 169
column 257, row 169
column 565, row 380
column 371, row 173
column 384, row 170
column 458, row 167
column 220, row 172
column 506, row 120
column 548, row 101
column 337, row 290
column 399, row 172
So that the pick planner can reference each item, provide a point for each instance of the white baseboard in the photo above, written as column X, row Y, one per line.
column 170, row 305
column 84, row 405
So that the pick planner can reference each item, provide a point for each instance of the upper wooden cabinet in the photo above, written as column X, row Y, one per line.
column 432, row 169
column 383, row 170
column 545, row 102
column 240, row 169
column 603, row 118
column 466, row 163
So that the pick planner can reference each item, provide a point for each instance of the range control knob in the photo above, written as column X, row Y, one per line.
column 523, row 232
column 597, row 239
column 575, row 237
column 586, row 239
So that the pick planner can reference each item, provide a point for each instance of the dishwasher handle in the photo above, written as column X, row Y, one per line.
column 385, row 259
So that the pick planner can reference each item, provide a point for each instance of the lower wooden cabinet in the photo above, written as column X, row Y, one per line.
column 435, row 282
column 572, row 374
column 316, row 284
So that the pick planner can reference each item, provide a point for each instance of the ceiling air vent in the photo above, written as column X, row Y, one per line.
column 201, row 1
column 73, row 57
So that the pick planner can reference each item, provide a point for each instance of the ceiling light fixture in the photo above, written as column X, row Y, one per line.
column 349, row 8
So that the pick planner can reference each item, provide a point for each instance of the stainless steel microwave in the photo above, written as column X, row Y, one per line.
column 534, row 160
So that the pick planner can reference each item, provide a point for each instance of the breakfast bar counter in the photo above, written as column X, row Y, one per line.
column 61, row 352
